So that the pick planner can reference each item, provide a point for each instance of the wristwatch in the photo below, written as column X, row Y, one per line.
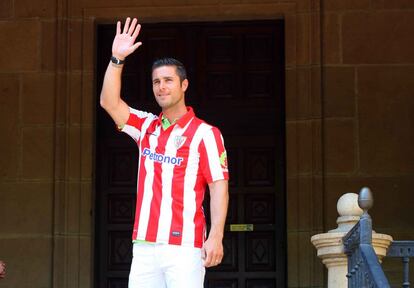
column 117, row 61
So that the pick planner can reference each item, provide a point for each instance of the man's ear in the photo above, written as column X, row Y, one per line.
column 184, row 85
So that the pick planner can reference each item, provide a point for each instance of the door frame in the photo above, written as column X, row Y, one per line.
column 302, row 40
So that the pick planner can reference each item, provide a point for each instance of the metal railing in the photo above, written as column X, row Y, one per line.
column 405, row 251
column 364, row 269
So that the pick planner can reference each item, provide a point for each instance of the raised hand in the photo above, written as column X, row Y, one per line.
column 123, row 44
column 2, row 269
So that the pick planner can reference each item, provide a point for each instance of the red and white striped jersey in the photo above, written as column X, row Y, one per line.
column 175, row 165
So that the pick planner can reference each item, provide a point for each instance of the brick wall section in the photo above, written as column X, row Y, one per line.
column 348, row 106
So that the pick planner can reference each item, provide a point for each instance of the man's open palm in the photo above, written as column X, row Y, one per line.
column 123, row 44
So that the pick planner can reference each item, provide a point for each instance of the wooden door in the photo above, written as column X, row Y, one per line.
column 236, row 74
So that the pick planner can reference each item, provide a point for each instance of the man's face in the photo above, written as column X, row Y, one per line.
column 167, row 88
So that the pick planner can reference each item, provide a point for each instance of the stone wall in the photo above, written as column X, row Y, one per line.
column 348, row 105
column 368, row 82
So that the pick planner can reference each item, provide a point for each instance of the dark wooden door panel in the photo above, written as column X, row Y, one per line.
column 236, row 79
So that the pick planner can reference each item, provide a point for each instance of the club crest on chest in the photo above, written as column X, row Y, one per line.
column 179, row 141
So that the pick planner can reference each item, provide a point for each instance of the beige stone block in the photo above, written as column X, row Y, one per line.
column 38, row 153
column 303, row 101
column 307, row 37
column 298, row 148
column 26, row 208
column 85, row 266
column 28, row 262
column 305, row 200
column 307, row 259
column 316, row 38
column 316, row 92
column 346, row 5
column 317, row 142
column 290, row 40
column 331, row 38
column 74, row 153
column 19, row 38
column 6, row 10
column 380, row 37
column 293, row 259
column 204, row 2
column 304, row 35
column 291, row 88
column 87, row 155
column 392, row 4
column 10, row 153
column 88, row 99
column 386, row 118
column 77, row 204
column 86, row 208
column 306, row 5
column 48, row 45
column 72, row 206
column 76, row 7
column 59, row 260
column 62, row 44
column 39, row 8
column 38, row 92
column 67, row 261
column 339, row 146
column 317, row 276
column 75, row 94
column 60, row 153
column 88, row 46
column 309, row 98
column 61, row 98
column 304, row 204
column 301, row 5
column 292, row 204
column 306, row 104
column 9, row 121
column 223, row 12
column 303, row 145
column 75, row 40
column 173, row 2
column 60, row 208
column 317, row 203
column 339, row 87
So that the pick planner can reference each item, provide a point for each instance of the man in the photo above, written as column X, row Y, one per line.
column 179, row 156
column 2, row 269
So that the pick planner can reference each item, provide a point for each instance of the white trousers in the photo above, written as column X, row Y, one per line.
column 166, row 266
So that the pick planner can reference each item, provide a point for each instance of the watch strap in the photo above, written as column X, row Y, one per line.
column 117, row 61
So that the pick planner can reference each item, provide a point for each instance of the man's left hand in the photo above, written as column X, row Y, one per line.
column 212, row 251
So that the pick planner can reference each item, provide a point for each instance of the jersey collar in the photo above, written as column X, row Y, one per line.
column 183, row 120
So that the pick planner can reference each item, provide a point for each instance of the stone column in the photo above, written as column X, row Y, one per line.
column 330, row 246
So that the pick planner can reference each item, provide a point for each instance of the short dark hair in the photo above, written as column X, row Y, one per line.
column 167, row 61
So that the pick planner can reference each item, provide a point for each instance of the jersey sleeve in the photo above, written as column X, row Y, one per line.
column 136, row 122
column 213, row 156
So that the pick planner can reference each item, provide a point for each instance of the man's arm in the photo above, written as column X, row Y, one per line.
column 122, row 46
column 2, row 269
column 219, row 199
